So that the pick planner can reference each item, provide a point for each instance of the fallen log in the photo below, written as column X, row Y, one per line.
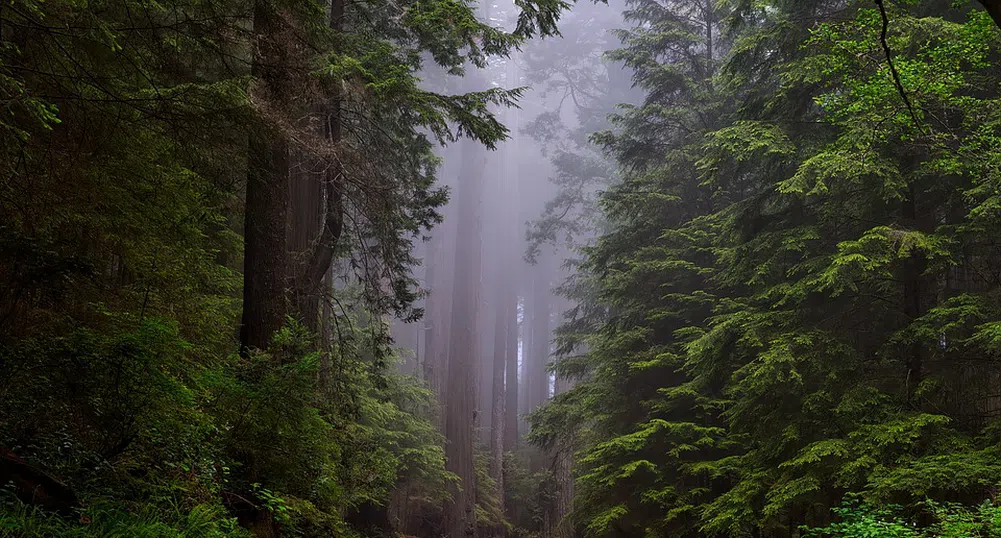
column 35, row 487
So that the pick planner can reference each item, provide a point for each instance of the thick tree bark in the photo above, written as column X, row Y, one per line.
column 306, row 208
column 435, row 351
column 564, row 489
column 511, row 378
column 538, row 378
column 460, row 417
column 270, row 274
column 264, row 246
column 486, row 339
column 563, row 475
column 501, row 329
column 437, row 316
column 267, row 197
column 511, row 226
column 319, row 213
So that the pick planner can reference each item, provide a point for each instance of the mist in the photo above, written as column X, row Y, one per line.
column 497, row 276
column 500, row 269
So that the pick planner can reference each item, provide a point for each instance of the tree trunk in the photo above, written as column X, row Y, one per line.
column 485, row 350
column 324, row 217
column 497, row 418
column 270, row 273
column 913, row 288
column 526, row 370
column 563, row 475
column 460, row 417
column 306, row 208
column 510, row 225
column 511, row 377
column 709, row 10
column 267, row 197
column 538, row 379
column 439, row 304
column 437, row 316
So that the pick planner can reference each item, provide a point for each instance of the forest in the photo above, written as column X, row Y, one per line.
column 500, row 268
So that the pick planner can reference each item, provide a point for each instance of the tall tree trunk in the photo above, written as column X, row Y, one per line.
column 329, row 211
column 511, row 262
column 486, row 339
column 497, row 418
column 709, row 11
column 511, row 377
column 439, row 304
column 563, row 475
column 538, row 379
column 306, row 208
column 505, row 304
column 270, row 273
column 525, row 368
column 267, row 198
column 913, row 288
column 460, row 416
column 437, row 316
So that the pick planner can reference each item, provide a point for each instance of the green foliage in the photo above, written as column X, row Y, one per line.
column 521, row 496
column 123, row 150
column 789, row 301
column 863, row 520
column 948, row 520
column 202, row 521
column 153, row 425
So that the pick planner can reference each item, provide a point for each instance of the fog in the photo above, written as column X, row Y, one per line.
column 444, row 268
column 497, row 276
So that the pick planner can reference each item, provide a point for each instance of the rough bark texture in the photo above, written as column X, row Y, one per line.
column 267, row 197
column 317, row 204
column 460, row 416
column 292, row 220
column 438, row 321
column 438, row 279
column 562, row 525
column 538, row 377
column 511, row 379
column 501, row 329
column 564, row 489
column 306, row 208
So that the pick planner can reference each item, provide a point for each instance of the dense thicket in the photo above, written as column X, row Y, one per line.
column 796, row 298
column 755, row 292
column 142, row 143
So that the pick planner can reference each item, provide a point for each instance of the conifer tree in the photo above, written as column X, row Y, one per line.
column 779, row 291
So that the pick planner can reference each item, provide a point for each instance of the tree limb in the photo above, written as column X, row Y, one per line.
column 333, row 223
column 889, row 60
